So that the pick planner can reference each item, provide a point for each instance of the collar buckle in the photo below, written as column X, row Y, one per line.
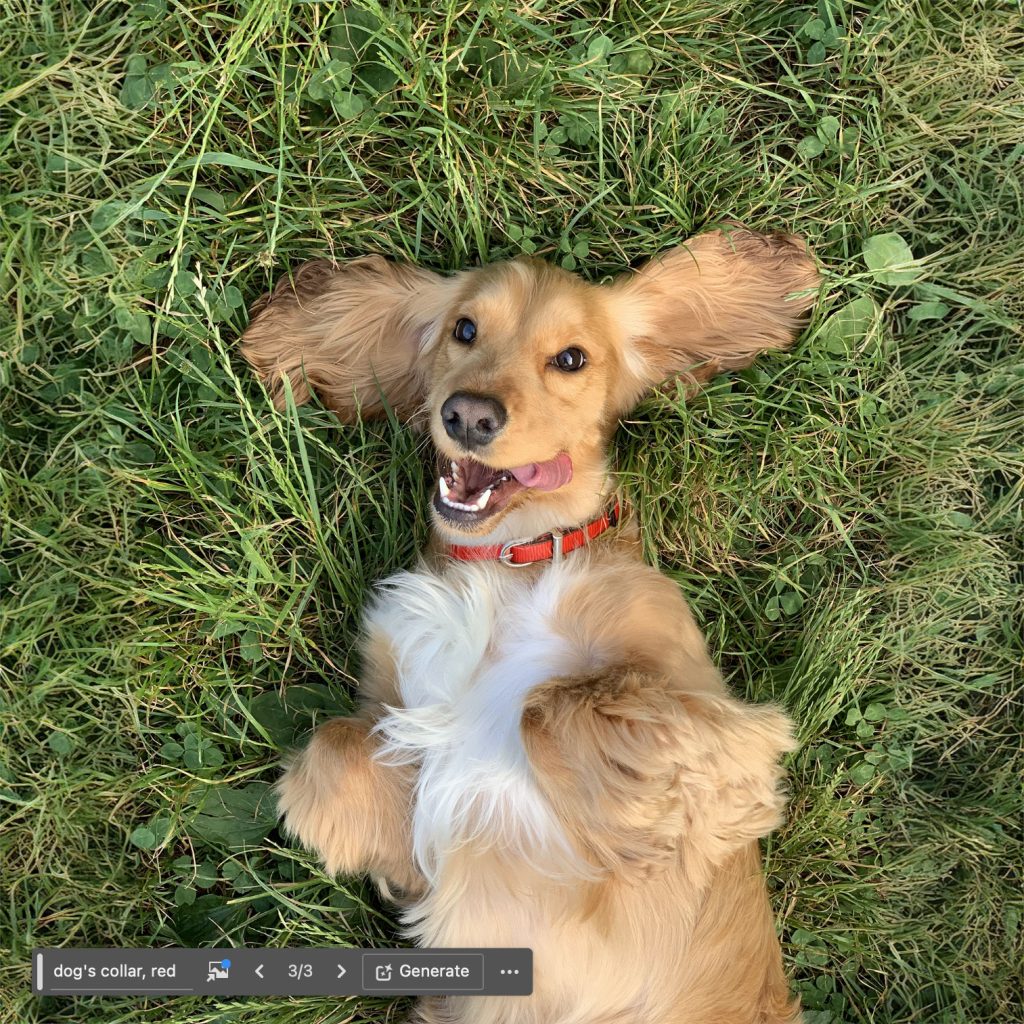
column 505, row 554
column 557, row 554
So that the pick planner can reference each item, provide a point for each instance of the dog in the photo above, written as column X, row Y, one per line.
column 544, row 753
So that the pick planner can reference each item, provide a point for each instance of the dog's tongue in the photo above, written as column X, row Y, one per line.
column 545, row 476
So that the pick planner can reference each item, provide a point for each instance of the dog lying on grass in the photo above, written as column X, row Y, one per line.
column 545, row 754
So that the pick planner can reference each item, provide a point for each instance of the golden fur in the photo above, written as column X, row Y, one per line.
column 660, row 781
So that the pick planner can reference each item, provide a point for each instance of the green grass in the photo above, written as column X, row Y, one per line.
column 846, row 519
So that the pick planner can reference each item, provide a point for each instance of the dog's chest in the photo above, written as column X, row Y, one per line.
column 468, row 647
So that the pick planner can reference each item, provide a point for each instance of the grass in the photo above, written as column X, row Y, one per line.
column 182, row 569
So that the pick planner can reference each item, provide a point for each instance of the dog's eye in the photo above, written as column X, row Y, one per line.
column 465, row 331
column 570, row 360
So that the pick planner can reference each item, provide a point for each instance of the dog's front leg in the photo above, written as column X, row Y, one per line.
column 349, row 808
column 637, row 768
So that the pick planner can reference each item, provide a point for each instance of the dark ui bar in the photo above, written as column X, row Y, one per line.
column 282, row 972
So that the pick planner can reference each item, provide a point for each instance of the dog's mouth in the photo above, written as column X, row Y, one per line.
column 468, row 492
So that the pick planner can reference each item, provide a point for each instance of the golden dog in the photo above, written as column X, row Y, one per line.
column 545, row 754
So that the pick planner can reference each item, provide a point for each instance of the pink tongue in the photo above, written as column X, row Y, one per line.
column 545, row 476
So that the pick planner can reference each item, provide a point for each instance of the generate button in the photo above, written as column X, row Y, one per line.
column 409, row 972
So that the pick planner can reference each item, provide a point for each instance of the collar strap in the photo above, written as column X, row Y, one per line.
column 550, row 547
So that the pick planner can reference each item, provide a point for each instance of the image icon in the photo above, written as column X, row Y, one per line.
column 383, row 972
column 218, row 970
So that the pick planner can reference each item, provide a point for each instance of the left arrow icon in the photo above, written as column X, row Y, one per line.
column 259, row 972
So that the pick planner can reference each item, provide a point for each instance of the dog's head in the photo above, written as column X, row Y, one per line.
column 520, row 370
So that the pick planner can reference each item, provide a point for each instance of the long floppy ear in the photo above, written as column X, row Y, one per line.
column 709, row 305
column 355, row 333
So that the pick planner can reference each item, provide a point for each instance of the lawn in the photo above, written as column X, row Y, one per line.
column 181, row 568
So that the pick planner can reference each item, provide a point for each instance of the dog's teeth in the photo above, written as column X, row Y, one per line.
column 459, row 505
column 481, row 502
column 444, row 488
column 455, row 468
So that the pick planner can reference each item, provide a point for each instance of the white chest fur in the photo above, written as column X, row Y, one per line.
column 468, row 647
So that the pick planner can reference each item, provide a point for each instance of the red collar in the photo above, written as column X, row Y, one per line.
column 548, row 547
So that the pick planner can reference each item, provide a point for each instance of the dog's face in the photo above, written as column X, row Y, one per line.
column 521, row 370
column 520, row 391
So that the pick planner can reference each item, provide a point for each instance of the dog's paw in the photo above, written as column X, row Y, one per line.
column 350, row 809
column 319, row 796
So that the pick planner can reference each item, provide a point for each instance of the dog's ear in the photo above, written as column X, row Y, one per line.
column 710, row 305
column 356, row 333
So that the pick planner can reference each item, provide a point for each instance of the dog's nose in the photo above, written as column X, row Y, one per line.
column 473, row 420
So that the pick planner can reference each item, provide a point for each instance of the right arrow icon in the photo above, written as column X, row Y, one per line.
column 341, row 971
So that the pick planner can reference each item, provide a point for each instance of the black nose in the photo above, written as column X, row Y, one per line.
column 473, row 420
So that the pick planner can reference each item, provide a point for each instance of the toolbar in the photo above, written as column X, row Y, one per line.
column 283, row 972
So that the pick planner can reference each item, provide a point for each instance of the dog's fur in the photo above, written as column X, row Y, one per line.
column 547, row 756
